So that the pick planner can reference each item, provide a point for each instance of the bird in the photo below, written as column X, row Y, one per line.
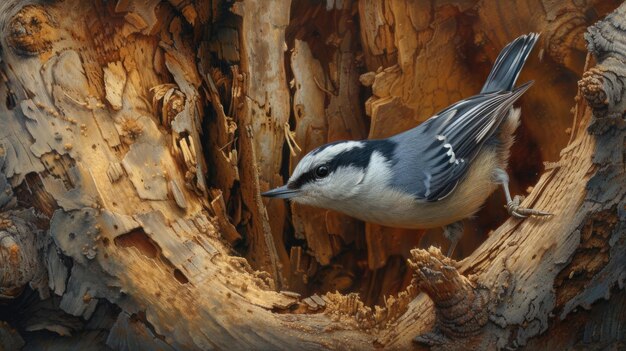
column 433, row 175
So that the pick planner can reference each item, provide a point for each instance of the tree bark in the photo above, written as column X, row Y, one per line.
column 138, row 135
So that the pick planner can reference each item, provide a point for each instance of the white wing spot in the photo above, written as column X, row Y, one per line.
column 450, row 152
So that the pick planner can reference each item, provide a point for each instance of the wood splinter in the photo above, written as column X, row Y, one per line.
column 460, row 304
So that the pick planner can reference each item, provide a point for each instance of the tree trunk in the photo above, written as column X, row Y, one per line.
column 137, row 136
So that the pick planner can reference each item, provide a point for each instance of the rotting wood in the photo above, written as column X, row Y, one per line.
column 168, row 271
column 263, row 112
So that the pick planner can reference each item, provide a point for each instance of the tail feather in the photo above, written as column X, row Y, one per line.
column 509, row 64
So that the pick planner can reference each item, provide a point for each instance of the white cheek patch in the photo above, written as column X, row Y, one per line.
column 333, row 191
column 342, row 183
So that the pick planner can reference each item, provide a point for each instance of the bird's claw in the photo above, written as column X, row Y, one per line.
column 520, row 212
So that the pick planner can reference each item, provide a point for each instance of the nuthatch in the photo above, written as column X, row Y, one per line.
column 433, row 175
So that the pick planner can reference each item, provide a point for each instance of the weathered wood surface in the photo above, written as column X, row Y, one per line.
column 136, row 137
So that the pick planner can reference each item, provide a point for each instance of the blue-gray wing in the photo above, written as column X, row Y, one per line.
column 434, row 156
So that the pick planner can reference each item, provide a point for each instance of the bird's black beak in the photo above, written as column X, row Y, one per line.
column 281, row 193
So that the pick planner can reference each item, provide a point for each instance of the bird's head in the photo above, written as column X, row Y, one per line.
column 332, row 175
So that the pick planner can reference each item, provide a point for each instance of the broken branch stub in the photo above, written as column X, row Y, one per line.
column 602, row 86
column 460, row 304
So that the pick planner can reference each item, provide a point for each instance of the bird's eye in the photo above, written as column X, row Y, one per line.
column 321, row 171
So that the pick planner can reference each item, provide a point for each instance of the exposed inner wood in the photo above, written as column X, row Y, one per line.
column 137, row 136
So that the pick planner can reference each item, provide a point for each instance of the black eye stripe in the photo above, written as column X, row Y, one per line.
column 358, row 157
column 302, row 179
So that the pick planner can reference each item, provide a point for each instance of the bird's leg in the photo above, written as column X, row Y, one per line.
column 453, row 232
column 513, row 204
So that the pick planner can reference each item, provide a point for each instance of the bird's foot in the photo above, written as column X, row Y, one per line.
column 521, row 212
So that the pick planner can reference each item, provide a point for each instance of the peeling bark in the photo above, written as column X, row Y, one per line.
column 137, row 137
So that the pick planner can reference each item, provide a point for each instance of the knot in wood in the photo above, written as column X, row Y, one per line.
column 16, row 263
column 31, row 31
column 591, row 87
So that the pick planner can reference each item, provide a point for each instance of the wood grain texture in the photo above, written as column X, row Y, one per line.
column 138, row 135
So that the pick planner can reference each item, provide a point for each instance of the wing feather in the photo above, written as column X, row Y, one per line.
column 436, row 155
